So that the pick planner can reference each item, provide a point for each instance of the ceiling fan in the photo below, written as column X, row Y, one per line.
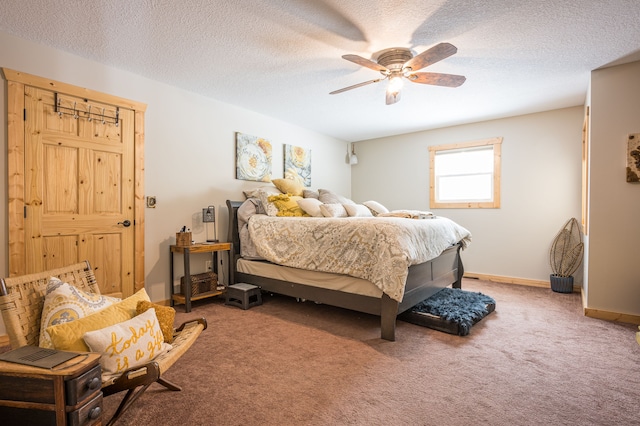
column 397, row 63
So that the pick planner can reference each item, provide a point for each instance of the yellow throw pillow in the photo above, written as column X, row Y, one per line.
column 64, row 303
column 127, row 344
column 68, row 336
column 289, row 186
column 287, row 205
column 166, row 316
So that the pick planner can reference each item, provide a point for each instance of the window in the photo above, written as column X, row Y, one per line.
column 465, row 175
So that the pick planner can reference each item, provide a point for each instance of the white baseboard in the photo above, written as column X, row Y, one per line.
column 517, row 281
column 589, row 312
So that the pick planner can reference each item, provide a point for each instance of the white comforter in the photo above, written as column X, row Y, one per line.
column 377, row 249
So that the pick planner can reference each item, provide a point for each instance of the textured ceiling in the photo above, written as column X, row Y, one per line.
column 283, row 57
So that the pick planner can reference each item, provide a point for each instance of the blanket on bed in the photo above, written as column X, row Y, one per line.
column 379, row 250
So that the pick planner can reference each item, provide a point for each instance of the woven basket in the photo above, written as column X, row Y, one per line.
column 201, row 283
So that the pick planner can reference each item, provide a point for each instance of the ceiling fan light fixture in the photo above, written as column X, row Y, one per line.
column 395, row 84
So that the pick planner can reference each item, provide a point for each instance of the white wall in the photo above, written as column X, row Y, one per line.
column 614, row 282
column 541, row 182
column 189, row 150
column 190, row 153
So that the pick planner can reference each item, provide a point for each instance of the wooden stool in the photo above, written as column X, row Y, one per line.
column 243, row 295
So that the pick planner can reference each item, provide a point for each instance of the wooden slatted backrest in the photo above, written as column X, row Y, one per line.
column 22, row 299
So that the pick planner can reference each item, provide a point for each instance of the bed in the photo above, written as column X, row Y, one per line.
column 346, row 290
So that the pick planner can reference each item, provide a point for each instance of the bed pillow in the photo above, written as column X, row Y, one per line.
column 68, row 336
column 127, row 344
column 287, row 205
column 255, row 193
column 330, row 197
column 64, row 303
column 357, row 210
column 333, row 210
column 268, row 206
column 251, row 207
column 289, row 186
column 250, row 193
column 311, row 206
column 247, row 209
column 375, row 207
column 166, row 316
column 310, row 193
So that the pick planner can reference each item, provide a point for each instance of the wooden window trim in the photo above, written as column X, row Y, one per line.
column 497, row 156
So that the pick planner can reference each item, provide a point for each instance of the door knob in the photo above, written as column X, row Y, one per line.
column 126, row 223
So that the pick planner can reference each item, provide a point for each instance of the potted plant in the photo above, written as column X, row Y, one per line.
column 565, row 256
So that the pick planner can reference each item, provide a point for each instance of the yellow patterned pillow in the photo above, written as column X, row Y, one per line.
column 289, row 186
column 166, row 315
column 287, row 205
column 68, row 336
column 64, row 303
column 127, row 344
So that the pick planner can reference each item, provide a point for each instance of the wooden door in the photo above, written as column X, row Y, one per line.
column 80, row 179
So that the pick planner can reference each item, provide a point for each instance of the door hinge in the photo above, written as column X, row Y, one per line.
column 24, row 114
column 25, row 212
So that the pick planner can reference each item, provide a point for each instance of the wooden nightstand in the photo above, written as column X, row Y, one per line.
column 212, row 248
column 38, row 396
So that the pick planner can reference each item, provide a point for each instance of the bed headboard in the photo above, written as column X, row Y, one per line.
column 234, row 233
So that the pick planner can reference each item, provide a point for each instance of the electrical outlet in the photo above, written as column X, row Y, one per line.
column 209, row 265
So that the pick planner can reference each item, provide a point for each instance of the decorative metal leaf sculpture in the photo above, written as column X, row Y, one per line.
column 566, row 250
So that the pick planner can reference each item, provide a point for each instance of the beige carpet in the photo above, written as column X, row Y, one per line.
column 535, row 360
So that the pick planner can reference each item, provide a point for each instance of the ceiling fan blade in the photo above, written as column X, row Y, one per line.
column 437, row 79
column 365, row 62
column 431, row 56
column 392, row 98
column 355, row 86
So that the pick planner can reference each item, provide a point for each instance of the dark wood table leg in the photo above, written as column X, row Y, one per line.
column 186, row 289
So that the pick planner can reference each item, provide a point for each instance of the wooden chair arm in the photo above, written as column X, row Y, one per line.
column 134, row 377
column 200, row 320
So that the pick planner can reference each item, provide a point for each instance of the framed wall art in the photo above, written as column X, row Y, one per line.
column 633, row 158
column 297, row 164
column 253, row 158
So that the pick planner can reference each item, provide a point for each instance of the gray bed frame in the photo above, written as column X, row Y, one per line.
column 423, row 281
